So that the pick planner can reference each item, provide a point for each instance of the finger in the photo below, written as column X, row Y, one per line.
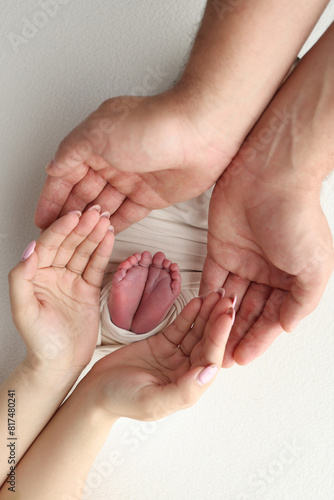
column 110, row 199
column 68, row 247
column 84, row 191
column 264, row 331
column 181, row 325
column 250, row 310
column 213, row 277
column 235, row 285
column 85, row 250
column 193, row 383
column 306, row 292
column 52, row 238
column 96, row 267
column 127, row 214
column 194, row 335
column 24, row 305
column 54, row 195
column 210, row 350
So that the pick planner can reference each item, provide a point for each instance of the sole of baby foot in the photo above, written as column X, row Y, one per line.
column 162, row 288
column 127, row 289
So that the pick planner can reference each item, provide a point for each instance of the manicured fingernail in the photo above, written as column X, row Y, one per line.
column 77, row 212
column 222, row 292
column 94, row 207
column 231, row 313
column 207, row 374
column 234, row 298
column 28, row 251
column 111, row 228
column 106, row 215
column 49, row 165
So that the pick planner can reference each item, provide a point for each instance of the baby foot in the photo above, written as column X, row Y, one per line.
column 128, row 285
column 162, row 288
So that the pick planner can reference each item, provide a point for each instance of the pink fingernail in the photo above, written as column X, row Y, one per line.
column 94, row 207
column 77, row 212
column 234, row 298
column 231, row 312
column 28, row 251
column 111, row 228
column 222, row 292
column 49, row 165
column 207, row 374
column 106, row 215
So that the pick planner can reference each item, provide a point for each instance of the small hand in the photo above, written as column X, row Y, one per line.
column 132, row 155
column 55, row 293
column 152, row 378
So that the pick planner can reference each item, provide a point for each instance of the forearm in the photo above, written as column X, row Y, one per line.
column 64, row 452
column 28, row 399
column 293, row 141
column 242, row 52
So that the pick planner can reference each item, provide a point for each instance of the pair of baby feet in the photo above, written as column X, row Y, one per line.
column 143, row 290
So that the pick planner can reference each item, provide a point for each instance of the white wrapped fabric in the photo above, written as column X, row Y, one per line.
column 180, row 232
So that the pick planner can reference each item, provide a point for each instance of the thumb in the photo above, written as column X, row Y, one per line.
column 188, row 389
column 305, row 294
column 213, row 276
column 21, row 289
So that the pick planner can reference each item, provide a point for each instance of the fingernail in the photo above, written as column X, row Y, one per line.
column 207, row 375
column 222, row 292
column 106, row 215
column 202, row 297
column 231, row 313
column 49, row 165
column 111, row 228
column 77, row 212
column 94, row 207
column 234, row 298
column 28, row 251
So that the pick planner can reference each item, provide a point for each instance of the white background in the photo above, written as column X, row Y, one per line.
column 261, row 432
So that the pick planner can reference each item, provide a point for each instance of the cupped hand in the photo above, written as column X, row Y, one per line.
column 132, row 155
column 153, row 378
column 55, row 293
column 268, row 239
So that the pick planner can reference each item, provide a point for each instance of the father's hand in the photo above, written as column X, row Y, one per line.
column 269, row 242
column 132, row 155
column 268, row 238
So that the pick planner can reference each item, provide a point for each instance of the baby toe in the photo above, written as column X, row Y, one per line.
column 158, row 259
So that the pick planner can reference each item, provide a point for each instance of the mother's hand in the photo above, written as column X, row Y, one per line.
column 153, row 378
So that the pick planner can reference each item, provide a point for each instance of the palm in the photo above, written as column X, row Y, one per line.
column 153, row 157
column 71, row 306
column 267, row 236
column 142, row 378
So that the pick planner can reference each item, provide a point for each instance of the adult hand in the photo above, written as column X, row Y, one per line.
column 268, row 239
column 55, row 292
column 130, row 156
column 135, row 154
column 153, row 378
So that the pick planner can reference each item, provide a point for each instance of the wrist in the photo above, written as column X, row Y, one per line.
column 90, row 399
column 46, row 375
